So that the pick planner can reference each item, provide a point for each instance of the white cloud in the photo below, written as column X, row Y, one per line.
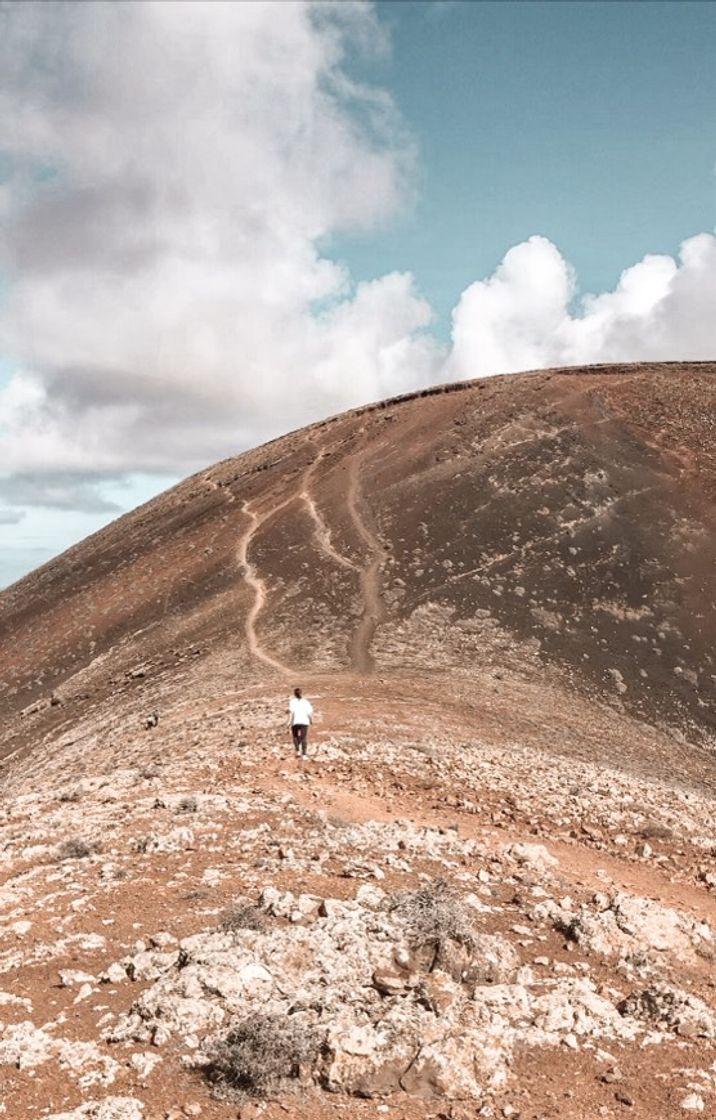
column 522, row 318
column 175, row 167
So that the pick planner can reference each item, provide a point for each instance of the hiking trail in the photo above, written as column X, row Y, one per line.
column 369, row 578
column 368, row 573
column 321, row 531
column 258, row 586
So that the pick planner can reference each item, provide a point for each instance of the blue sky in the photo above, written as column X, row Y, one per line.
column 342, row 203
column 591, row 123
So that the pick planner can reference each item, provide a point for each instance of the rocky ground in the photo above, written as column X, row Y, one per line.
column 450, row 910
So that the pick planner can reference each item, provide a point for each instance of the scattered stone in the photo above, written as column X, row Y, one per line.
column 111, row 1108
column 692, row 1102
column 624, row 1098
column 116, row 973
column 144, row 1064
column 668, row 1008
column 627, row 925
column 533, row 856
column 612, row 1075
column 69, row 977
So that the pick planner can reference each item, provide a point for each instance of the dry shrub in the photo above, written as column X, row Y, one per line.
column 243, row 915
column 432, row 916
column 75, row 849
column 260, row 1056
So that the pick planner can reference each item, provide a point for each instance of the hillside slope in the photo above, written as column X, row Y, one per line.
column 565, row 520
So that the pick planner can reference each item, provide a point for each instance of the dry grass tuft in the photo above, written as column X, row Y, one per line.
column 433, row 915
column 243, row 915
column 75, row 849
column 260, row 1056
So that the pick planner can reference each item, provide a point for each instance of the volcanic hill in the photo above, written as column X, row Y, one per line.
column 490, row 890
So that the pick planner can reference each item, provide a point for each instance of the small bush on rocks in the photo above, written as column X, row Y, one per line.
column 188, row 805
column 433, row 915
column 75, row 849
column 243, row 915
column 260, row 1055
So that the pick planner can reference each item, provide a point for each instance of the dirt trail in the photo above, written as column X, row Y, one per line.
column 322, row 533
column 368, row 574
column 370, row 583
column 258, row 587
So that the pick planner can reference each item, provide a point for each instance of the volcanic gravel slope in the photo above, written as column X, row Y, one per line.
column 500, row 596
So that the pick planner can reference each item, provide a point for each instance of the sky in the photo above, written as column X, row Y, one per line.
column 219, row 222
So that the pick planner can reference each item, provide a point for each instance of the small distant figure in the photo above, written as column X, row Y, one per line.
column 299, row 720
column 151, row 721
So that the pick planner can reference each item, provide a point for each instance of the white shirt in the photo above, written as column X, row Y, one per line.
column 301, row 710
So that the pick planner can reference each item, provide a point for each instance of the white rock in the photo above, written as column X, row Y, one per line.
column 254, row 978
column 370, row 895
column 693, row 1103
column 111, row 1108
column 533, row 856
column 69, row 977
column 466, row 1023
column 25, row 1046
column 7, row 998
column 149, row 964
column 162, row 939
column 86, row 1062
column 144, row 1063
column 115, row 974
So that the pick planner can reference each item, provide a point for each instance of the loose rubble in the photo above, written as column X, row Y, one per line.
column 429, row 944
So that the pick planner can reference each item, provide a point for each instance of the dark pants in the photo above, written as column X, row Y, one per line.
column 300, row 737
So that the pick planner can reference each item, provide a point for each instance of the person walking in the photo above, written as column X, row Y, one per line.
column 299, row 719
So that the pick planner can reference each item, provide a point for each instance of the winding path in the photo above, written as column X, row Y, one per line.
column 258, row 587
column 370, row 583
column 321, row 531
column 368, row 573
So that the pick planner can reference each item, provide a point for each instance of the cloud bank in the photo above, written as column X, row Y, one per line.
column 170, row 170
column 168, row 176
column 521, row 317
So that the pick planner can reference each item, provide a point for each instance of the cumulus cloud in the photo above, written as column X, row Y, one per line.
column 168, row 175
column 173, row 169
column 524, row 317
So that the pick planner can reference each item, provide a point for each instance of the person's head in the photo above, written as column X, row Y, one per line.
column 297, row 693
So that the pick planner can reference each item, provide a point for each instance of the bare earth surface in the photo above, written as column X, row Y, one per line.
column 491, row 889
